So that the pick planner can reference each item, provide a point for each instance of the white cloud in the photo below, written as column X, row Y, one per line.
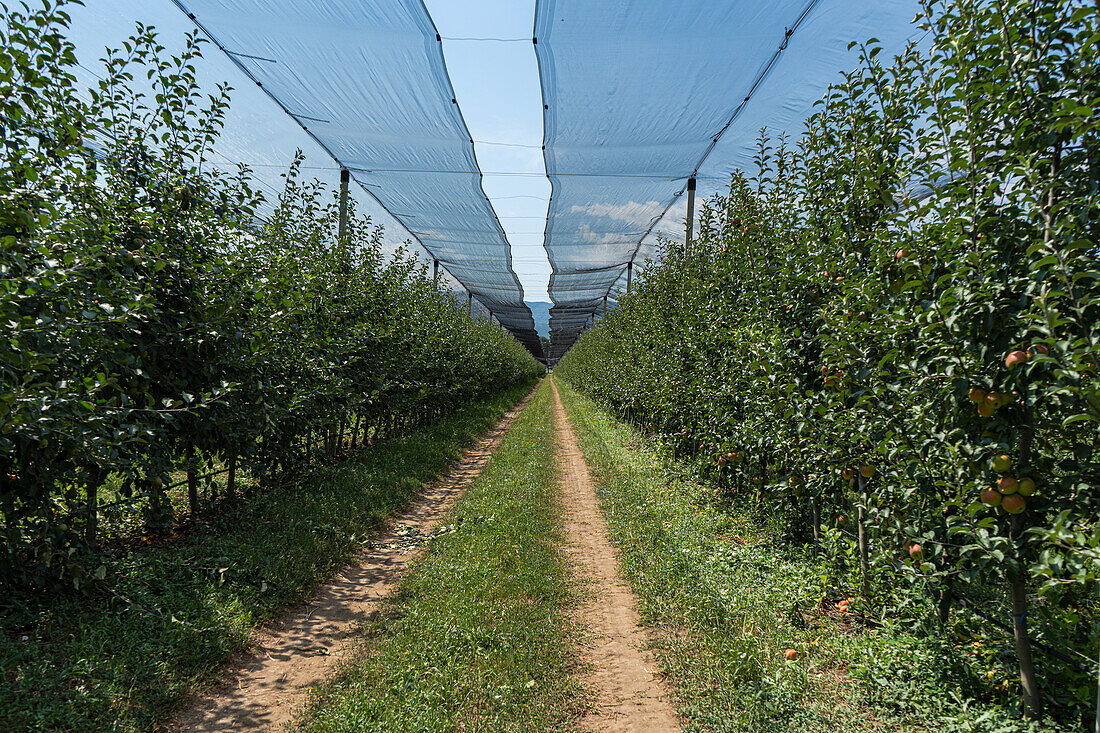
column 634, row 213
column 596, row 238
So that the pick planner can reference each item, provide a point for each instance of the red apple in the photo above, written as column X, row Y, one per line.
column 916, row 552
column 1015, row 358
column 991, row 497
column 1014, row 504
column 1007, row 485
column 867, row 470
column 790, row 655
column 976, row 395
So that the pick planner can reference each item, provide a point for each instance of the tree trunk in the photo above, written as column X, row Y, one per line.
column 861, row 534
column 946, row 597
column 192, row 483
column 1031, row 704
column 763, row 480
column 91, row 507
column 815, row 508
column 231, row 477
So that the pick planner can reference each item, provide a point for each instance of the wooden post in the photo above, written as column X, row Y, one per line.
column 435, row 270
column 629, row 272
column 345, row 178
column 469, row 302
column 691, row 212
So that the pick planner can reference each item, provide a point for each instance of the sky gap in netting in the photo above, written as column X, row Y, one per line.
column 367, row 80
column 639, row 96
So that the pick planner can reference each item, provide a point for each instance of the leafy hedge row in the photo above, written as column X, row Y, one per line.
column 152, row 320
column 899, row 318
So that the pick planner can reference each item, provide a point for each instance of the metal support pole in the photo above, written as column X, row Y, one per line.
column 470, row 302
column 345, row 178
column 435, row 270
column 604, row 311
column 629, row 272
column 691, row 212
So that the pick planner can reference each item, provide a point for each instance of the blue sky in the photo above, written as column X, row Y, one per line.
column 496, row 84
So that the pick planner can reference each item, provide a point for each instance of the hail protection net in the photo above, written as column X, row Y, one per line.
column 367, row 79
column 640, row 95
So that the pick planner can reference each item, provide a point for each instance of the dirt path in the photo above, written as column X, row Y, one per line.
column 630, row 697
column 264, row 690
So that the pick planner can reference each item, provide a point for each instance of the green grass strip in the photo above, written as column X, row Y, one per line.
column 477, row 637
column 726, row 601
column 120, row 662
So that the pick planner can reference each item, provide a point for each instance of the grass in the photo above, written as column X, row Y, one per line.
column 478, row 636
column 168, row 617
column 726, row 600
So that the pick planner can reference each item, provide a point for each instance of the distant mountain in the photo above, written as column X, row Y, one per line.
column 541, row 313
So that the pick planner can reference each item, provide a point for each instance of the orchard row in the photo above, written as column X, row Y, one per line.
column 154, row 321
column 889, row 335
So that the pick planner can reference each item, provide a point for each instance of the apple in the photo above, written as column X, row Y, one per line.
column 1026, row 487
column 976, row 395
column 842, row 520
column 790, row 655
column 1014, row 504
column 991, row 497
column 1007, row 485
column 985, row 410
column 916, row 552
column 1041, row 349
column 1002, row 463
column 901, row 255
column 1015, row 358
column 867, row 470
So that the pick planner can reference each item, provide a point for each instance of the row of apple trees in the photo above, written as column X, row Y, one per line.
column 892, row 327
column 153, row 322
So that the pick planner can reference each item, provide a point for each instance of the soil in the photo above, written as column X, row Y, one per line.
column 629, row 694
column 265, row 688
